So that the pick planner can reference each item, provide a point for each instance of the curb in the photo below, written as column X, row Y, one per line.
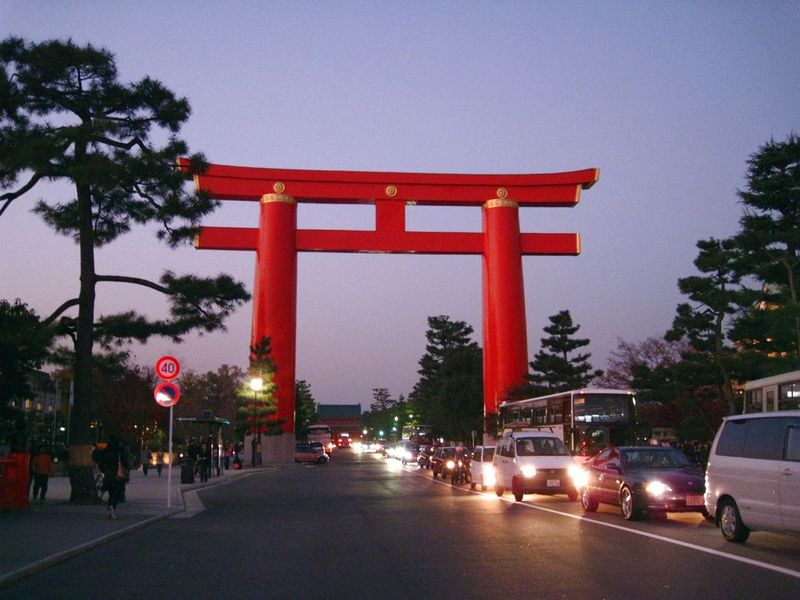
column 64, row 555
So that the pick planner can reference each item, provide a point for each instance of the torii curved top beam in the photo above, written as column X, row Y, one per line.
column 226, row 182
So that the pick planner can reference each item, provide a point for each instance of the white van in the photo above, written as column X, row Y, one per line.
column 530, row 461
column 753, row 475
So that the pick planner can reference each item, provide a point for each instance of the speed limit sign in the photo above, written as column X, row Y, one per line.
column 168, row 367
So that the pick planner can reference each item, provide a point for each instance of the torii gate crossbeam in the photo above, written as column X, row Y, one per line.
column 277, row 241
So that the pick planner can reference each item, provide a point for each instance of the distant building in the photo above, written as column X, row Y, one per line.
column 43, row 398
column 342, row 418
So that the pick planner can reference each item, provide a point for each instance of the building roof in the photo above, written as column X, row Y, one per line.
column 338, row 411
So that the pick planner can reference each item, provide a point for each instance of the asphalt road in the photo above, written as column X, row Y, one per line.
column 362, row 527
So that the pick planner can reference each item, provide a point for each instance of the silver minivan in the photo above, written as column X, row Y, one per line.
column 753, row 475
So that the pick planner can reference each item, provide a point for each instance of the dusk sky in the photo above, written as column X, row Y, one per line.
column 667, row 99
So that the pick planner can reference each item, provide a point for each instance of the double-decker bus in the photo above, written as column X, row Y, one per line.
column 587, row 420
column 779, row 392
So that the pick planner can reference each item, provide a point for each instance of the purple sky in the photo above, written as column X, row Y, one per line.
column 667, row 99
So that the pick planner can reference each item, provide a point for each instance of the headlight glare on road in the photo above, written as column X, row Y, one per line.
column 528, row 471
column 488, row 474
column 657, row 488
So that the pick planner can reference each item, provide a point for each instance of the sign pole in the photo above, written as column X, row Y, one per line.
column 167, row 394
column 169, row 467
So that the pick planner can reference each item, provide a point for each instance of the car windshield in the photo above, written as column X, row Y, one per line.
column 654, row 458
column 488, row 453
column 541, row 446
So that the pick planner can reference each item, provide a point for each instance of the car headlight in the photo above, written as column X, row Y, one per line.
column 450, row 464
column 657, row 488
column 580, row 478
column 528, row 471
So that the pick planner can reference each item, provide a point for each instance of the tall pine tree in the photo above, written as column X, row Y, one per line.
column 769, row 241
column 65, row 117
column 555, row 367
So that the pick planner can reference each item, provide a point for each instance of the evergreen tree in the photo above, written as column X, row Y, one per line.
column 381, row 400
column 449, row 393
column 555, row 367
column 65, row 116
column 23, row 348
column 305, row 408
column 258, row 405
column 769, row 241
column 716, row 296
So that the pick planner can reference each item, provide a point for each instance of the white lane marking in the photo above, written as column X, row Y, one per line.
column 584, row 519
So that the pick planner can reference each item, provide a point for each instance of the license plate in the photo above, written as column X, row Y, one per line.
column 694, row 501
column 553, row 483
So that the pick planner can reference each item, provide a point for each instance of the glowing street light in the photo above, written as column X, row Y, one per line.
column 256, row 384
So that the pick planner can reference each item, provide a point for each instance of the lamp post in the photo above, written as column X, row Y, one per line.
column 256, row 384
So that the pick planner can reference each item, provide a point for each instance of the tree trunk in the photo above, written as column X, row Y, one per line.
column 81, row 431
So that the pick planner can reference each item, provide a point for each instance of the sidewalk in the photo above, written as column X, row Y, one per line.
column 34, row 537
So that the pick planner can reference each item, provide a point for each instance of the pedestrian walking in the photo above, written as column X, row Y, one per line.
column 159, row 461
column 114, row 462
column 43, row 469
column 145, row 460
column 203, row 462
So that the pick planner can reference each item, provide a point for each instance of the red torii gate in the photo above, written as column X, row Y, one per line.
column 277, row 241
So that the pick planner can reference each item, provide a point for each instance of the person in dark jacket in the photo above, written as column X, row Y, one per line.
column 114, row 462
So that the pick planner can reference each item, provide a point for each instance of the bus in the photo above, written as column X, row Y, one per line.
column 769, row 394
column 587, row 420
column 321, row 433
column 422, row 434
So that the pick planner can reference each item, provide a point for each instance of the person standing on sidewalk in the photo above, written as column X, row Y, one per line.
column 145, row 460
column 43, row 469
column 114, row 462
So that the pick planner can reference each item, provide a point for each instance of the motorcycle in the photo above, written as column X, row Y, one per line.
column 459, row 471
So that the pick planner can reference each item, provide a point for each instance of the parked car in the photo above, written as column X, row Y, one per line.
column 481, row 467
column 643, row 480
column 306, row 453
column 753, row 475
column 530, row 461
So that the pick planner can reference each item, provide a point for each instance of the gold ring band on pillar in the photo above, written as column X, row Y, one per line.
column 497, row 203
column 267, row 198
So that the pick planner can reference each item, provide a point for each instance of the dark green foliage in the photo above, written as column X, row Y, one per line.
column 257, row 407
column 743, row 321
column 65, row 116
column 555, row 367
column 24, row 343
column 305, row 408
column 449, row 394
column 769, row 241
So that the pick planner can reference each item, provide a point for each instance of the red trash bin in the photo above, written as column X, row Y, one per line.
column 14, row 473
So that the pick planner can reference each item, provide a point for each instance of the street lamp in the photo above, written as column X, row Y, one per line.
column 256, row 384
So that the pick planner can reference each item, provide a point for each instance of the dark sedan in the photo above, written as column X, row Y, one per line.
column 643, row 480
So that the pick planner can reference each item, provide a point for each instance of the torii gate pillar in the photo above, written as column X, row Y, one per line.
column 505, row 340
column 275, row 308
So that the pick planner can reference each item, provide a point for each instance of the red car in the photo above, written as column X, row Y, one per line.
column 643, row 480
